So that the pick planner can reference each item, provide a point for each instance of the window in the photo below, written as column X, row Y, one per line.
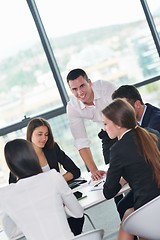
column 109, row 40
column 154, row 7
column 28, row 87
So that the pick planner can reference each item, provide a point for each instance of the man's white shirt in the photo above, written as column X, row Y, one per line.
column 77, row 111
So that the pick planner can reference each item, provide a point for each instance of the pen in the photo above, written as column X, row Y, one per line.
column 96, row 189
column 89, row 181
column 82, row 197
column 98, row 184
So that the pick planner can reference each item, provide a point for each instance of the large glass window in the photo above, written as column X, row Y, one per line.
column 150, row 93
column 107, row 39
column 27, row 84
column 154, row 7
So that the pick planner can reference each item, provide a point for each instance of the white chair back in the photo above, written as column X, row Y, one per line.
column 96, row 234
column 145, row 221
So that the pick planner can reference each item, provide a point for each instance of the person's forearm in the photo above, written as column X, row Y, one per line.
column 122, row 181
column 68, row 176
column 88, row 159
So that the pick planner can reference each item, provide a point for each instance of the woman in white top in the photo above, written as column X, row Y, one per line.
column 51, row 156
column 38, row 203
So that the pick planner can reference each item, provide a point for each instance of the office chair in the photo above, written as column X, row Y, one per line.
column 95, row 234
column 145, row 221
column 89, row 219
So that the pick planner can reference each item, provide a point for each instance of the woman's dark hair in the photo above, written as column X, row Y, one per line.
column 38, row 122
column 75, row 73
column 121, row 113
column 21, row 158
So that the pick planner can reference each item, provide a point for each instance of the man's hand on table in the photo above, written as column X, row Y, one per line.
column 97, row 175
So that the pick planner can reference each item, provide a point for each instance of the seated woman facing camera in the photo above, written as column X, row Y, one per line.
column 133, row 158
column 51, row 156
column 38, row 203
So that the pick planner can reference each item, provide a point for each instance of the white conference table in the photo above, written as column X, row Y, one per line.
column 94, row 195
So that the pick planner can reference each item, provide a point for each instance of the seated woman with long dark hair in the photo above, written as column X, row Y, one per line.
column 38, row 203
column 49, row 153
column 134, row 158
column 51, row 156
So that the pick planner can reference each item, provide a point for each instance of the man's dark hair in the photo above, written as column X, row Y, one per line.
column 75, row 73
column 129, row 92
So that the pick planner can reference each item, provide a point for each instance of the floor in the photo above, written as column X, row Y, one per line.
column 103, row 215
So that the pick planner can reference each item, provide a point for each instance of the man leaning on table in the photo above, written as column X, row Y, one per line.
column 87, row 102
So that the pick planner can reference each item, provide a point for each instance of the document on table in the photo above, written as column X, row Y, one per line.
column 98, row 185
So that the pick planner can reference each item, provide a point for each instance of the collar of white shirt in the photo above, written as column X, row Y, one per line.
column 140, row 122
column 96, row 96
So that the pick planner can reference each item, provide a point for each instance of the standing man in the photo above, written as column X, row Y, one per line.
column 87, row 103
column 148, row 116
